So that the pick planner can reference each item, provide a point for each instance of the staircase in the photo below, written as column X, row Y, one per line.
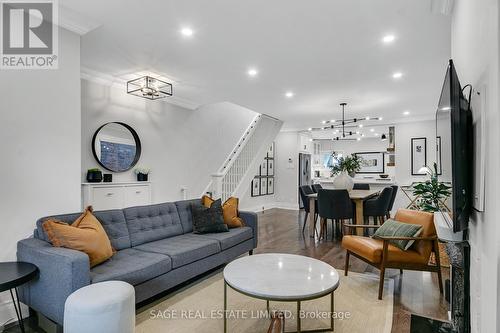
column 234, row 176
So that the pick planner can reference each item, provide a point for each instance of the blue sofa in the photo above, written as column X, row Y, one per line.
column 156, row 250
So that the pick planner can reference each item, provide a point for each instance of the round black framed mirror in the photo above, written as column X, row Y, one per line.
column 116, row 146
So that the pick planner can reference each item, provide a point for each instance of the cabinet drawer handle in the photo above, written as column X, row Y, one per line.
column 109, row 194
column 137, row 192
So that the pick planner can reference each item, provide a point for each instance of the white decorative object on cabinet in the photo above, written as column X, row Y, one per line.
column 102, row 196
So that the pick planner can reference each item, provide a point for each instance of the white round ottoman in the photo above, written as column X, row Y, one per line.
column 107, row 307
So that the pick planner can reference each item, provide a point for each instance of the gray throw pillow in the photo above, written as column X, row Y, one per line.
column 392, row 228
column 208, row 220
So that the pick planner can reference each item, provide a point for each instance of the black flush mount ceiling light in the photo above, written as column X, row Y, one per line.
column 383, row 137
column 149, row 87
column 346, row 128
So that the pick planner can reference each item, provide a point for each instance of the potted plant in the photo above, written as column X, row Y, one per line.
column 432, row 193
column 344, row 169
column 94, row 175
column 142, row 174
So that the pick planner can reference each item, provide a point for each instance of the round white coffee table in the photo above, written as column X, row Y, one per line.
column 283, row 278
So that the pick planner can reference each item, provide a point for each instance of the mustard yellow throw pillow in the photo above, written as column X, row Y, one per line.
column 86, row 234
column 229, row 211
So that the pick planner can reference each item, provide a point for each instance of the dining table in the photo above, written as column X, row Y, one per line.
column 357, row 196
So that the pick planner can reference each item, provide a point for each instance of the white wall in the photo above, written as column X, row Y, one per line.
column 287, row 179
column 181, row 146
column 404, row 133
column 475, row 43
column 40, row 147
column 286, row 145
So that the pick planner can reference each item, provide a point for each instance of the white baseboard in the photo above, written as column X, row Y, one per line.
column 271, row 205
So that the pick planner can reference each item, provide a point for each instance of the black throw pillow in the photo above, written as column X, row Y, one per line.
column 208, row 220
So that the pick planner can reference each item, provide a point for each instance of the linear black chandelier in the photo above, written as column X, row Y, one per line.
column 344, row 127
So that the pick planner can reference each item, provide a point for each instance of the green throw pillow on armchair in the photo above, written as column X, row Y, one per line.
column 208, row 219
column 392, row 228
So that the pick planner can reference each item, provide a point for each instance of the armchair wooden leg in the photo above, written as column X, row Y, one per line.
column 381, row 283
column 346, row 268
column 382, row 269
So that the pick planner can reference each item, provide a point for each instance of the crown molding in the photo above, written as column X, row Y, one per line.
column 110, row 80
column 76, row 22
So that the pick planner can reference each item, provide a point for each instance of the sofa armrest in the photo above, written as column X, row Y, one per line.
column 61, row 272
column 251, row 220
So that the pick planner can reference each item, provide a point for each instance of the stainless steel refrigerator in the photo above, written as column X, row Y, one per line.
column 304, row 173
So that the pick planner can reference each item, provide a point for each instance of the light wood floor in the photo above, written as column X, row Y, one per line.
column 415, row 292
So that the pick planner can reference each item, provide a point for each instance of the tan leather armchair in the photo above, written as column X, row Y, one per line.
column 382, row 254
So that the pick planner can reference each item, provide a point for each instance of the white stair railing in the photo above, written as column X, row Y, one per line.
column 234, row 176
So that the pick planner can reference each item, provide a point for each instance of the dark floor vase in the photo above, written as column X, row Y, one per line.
column 142, row 177
column 94, row 176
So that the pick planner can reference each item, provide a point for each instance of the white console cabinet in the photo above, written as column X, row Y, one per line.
column 102, row 196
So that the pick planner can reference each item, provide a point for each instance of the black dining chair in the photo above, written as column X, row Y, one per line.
column 393, row 198
column 335, row 205
column 316, row 187
column 304, row 191
column 361, row 186
column 377, row 207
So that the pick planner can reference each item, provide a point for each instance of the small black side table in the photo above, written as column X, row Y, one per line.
column 12, row 275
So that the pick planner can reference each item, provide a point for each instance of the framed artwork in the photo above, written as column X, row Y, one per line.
column 270, row 185
column 438, row 156
column 270, row 167
column 418, row 156
column 270, row 151
column 372, row 162
column 263, row 168
column 255, row 187
column 263, row 185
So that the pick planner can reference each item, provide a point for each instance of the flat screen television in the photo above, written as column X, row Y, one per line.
column 454, row 150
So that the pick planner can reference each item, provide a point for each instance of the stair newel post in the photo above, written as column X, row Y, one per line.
column 217, row 185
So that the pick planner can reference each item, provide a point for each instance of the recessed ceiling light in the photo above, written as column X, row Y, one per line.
column 367, row 118
column 359, row 139
column 289, row 94
column 323, row 122
column 360, row 125
column 372, row 130
column 388, row 39
column 406, row 113
column 380, row 118
column 375, row 134
column 188, row 32
column 309, row 129
column 252, row 72
column 397, row 75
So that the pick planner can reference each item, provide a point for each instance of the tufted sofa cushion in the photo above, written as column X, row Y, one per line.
column 150, row 223
column 184, row 209
column 183, row 249
column 113, row 222
column 131, row 266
